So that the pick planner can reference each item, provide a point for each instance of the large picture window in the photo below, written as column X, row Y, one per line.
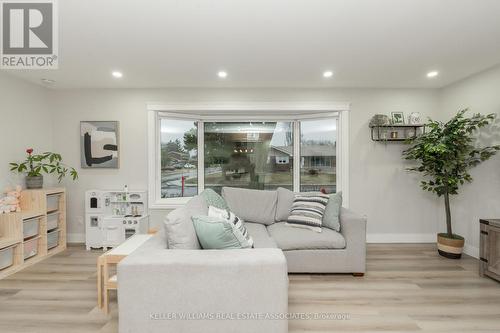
column 192, row 153
column 255, row 155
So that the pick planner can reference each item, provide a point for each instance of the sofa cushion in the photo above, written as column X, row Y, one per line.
column 331, row 218
column 213, row 198
column 291, row 238
column 260, row 236
column 215, row 233
column 308, row 210
column 284, row 204
column 179, row 230
column 251, row 205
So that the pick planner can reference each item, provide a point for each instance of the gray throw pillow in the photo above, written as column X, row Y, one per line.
column 179, row 230
column 331, row 218
column 215, row 233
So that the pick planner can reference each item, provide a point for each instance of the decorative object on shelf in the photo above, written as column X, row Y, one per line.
column 379, row 120
column 35, row 165
column 445, row 154
column 397, row 118
column 10, row 203
column 414, row 118
column 99, row 144
column 394, row 135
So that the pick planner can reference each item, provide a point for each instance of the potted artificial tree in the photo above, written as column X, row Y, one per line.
column 35, row 165
column 444, row 155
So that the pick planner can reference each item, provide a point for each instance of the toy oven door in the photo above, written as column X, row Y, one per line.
column 113, row 231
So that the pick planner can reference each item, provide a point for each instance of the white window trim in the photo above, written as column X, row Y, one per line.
column 296, row 156
column 229, row 112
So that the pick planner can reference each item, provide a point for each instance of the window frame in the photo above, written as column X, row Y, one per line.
column 339, row 186
column 223, row 112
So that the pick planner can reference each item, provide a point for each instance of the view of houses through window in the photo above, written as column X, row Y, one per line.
column 318, row 155
column 248, row 155
column 255, row 155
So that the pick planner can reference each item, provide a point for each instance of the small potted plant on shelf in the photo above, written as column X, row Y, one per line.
column 445, row 154
column 36, row 164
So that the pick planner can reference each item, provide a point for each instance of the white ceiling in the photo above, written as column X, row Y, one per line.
column 272, row 43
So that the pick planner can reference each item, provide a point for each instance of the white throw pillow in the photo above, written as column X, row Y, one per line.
column 179, row 230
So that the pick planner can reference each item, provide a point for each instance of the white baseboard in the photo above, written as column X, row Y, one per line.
column 370, row 238
column 401, row 238
column 470, row 250
column 473, row 251
column 75, row 238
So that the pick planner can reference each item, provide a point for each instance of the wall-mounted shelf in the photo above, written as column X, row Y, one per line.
column 396, row 133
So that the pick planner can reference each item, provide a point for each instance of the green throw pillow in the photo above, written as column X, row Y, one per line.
column 212, row 198
column 331, row 217
column 215, row 233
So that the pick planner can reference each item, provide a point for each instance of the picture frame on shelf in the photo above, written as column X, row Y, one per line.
column 397, row 118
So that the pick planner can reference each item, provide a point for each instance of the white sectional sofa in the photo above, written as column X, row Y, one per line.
column 157, row 285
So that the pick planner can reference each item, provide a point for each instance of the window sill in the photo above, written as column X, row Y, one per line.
column 171, row 203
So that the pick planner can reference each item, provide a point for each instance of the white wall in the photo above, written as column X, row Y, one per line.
column 380, row 188
column 480, row 199
column 25, row 122
column 397, row 209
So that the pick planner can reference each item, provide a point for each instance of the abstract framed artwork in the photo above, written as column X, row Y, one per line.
column 99, row 142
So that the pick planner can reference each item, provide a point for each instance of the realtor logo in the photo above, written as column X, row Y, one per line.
column 29, row 34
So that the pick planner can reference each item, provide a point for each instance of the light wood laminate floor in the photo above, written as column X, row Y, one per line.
column 408, row 288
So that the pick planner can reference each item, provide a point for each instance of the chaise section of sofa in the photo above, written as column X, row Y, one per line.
column 158, row 286
column 350, row 258
column 306, row 251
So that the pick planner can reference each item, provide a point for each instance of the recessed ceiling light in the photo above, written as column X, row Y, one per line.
column 222, row 74
column 327, row 74
column 432, row 74
column 117, row 74
column 47, row 81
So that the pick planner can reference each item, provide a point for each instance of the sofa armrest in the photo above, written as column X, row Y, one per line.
column 180, row 282
column 353, row 228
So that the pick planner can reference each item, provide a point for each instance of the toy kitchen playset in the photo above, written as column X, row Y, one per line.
column 113, row 216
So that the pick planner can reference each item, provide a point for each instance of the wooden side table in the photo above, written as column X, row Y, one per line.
column 105, row 283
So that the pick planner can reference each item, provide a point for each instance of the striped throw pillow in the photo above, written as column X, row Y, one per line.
column 307, row 210
column 239, row 230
